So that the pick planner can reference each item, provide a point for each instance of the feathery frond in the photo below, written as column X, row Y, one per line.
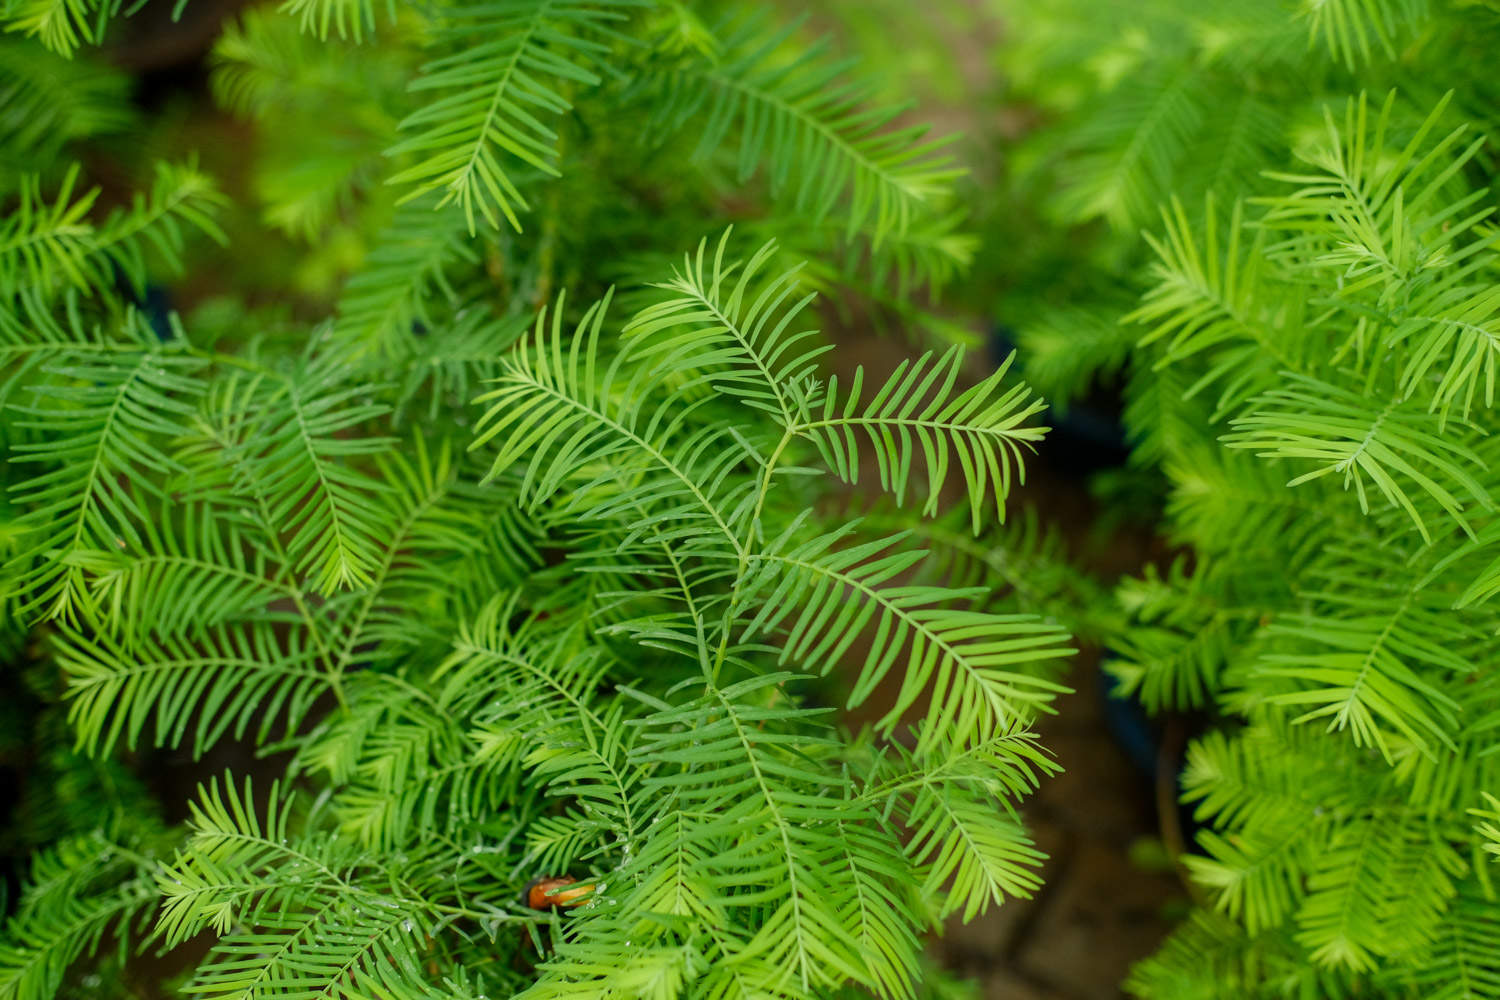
column 488, row 123
column 107, row 421
column 78, row 891
column 983, row 428
column 46, row 247
column 813, row 132
column 290, row 446
column 962, row 661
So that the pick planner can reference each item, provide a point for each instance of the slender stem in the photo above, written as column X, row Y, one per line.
column 751, row 528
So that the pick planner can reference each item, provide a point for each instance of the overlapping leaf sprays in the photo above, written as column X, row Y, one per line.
column 634, row 712
column 1312, row 365
column 502, row 595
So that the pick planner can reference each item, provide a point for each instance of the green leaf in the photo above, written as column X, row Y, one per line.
column 106, row 421
column 968, row 665
column 218, row 684
column 981, row 429
column 1395, row 446
column 490, row 121
column 816, row 134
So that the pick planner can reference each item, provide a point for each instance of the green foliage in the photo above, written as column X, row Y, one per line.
column 469, row 585
column 792, row 109
column 47, row 101
column 80, row 890
column 491, row 95
column 1311, row 373
column 642, row 705
column 46, row 249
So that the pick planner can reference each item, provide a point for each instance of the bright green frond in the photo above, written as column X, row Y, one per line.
column 970, row 862
column 487, row 127
column 737, row 763
column 970, row 666
column 348, row 18
column 47, row 247
column 288, row 442
column 1462, row 964
column 61, row 25
column 106, row 421
column 218, row 684
column 589, row 420
column 1399, row 448
column 982, row 430
column 1180, row 641
column 1132, row 146
column 1212, row 299
column 1363, row 650
column 737, row 326
column 193, row 572
column 1354, row 29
